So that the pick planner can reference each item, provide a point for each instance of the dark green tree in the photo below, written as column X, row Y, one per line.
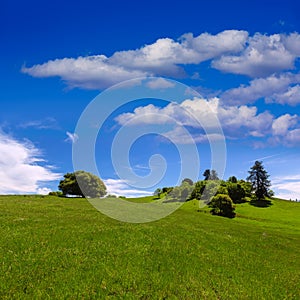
column 232, row 179
column 167, row 190
column 157, row 192
column 210, row 175
column 236, row 192
column 206, row 174
column 82, row 184
column 258, row 177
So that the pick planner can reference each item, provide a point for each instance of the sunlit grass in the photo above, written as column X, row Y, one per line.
column 56, row 248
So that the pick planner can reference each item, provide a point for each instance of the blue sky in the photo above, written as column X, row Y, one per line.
column 242, row 57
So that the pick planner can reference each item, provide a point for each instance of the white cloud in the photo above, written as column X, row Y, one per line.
column 180, row 136
column 43, row 191
column 264, row 55
column 72, row 137
column 275, row 88
column 198, row 113
column 47, row 123
column 120, row 187
column 91, row 72
column 293, row 137
column 160, row 83
column 287, row 187
column 162, row 58
column 282, row 124
column 149, row 114
column 21, row 170
column 292, row 43
column 231, row 118
column 290, row 96
column 230, row 51
column 211, row 46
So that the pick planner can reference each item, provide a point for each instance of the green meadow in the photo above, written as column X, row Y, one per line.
column 63, row 248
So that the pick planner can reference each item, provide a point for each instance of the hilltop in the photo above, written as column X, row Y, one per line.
column 55, row 247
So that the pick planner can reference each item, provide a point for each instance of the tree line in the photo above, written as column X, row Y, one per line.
column 220, row 195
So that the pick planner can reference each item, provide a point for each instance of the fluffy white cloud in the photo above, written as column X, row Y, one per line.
column 149, row 114
column 231, row 51
column 120, row 187
column 21, row 168
column 231, row 118
column 235, row 121
column 275, row 88
column 292, row 43
column 202, row 113
column 282, row 124
column 264, row 55
column 290, row 96
column 293, row 137
column 163, row 57
column 91, row 72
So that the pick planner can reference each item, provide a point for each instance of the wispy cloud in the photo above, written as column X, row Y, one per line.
column 47, row 123
column 265, row 157
column 72, row 137
column 287, row 186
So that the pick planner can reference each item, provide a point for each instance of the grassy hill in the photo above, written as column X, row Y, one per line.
column 54, row 248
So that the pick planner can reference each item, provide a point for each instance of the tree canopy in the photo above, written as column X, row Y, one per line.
column 210, row 175
column 258, row 177
column 82, row 184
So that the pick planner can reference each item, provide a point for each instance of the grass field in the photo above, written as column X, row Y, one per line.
column 56, row 248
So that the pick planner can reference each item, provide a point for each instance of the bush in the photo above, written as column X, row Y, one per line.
column 198, row 190
column 236, row 192
column 110, row 196
column 57, row 193
column 222, row 205
column 180, row 193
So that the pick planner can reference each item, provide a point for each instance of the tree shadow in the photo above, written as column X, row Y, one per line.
column 261, row 203
column 240, row 201
column 174, row 200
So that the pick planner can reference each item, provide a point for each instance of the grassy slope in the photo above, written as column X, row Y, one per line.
column 63, row 248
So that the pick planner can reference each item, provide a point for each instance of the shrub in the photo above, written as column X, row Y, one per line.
column 222, row 205
column 57, row 193
column 236, row 192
